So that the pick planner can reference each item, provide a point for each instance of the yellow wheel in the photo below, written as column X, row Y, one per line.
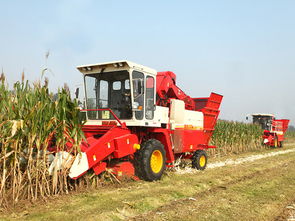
column 199, row 160
column 156, row 161
column 150, row 160
column 276, row 142
column 202, row 161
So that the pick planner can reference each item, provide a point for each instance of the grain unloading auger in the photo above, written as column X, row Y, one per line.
column 138, row 122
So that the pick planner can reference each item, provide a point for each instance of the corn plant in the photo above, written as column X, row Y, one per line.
column 30, row 122
column 235, row 137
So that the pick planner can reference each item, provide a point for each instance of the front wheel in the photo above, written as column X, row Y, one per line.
column 151, row 160
column 199, row 160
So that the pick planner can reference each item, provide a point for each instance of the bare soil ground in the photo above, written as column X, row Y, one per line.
column 251, row 186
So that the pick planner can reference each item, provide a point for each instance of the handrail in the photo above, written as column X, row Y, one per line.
column 107, row 109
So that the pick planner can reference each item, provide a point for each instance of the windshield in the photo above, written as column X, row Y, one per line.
column 108, row 90
column 264, row 121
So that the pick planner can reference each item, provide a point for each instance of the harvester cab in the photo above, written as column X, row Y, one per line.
column 264, row 120
column 273, row 129
column 138, row 122
column 125, row 88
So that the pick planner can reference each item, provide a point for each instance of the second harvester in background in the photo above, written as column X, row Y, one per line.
column 274, row 129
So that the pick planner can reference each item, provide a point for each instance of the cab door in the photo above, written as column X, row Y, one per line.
column 149, row 97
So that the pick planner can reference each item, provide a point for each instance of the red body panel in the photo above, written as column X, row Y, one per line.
column 124, row 169
column 103, row 144
column 210, row 108
column 278, row 129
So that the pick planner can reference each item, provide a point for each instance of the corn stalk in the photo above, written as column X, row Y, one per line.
column 232, row 137
column 31, row 121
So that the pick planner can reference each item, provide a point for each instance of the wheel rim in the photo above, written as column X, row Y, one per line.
column 156, row 161
column 202, row 161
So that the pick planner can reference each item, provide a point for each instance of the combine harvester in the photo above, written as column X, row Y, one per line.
column 138, row 122
column 274, row 129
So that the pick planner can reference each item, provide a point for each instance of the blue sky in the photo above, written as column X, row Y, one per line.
column 244, row 50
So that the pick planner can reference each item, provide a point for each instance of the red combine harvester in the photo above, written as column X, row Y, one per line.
column 138, row 122
column 274, row 129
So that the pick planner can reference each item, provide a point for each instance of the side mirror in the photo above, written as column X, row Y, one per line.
column 137, row 87
column 77, row 93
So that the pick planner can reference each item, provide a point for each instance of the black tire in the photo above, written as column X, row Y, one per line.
column 281, row 144
column 144, row 169
column 199, row 160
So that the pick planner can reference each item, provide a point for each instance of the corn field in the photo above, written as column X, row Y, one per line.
column 30, row 119
column 235, row 137
column 290, row 134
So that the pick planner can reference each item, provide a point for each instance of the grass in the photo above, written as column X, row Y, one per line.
column 247, row 191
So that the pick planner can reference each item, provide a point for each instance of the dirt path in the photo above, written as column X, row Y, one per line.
column 288, row 212
column 201, row 204
column 256, row 187
column 241, row 160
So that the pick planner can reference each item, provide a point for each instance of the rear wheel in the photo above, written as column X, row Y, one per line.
column 280, row 143
column 199, row 160
column 151, row 160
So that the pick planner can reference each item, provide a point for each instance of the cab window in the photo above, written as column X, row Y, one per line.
column 149, row 98
column 138, row 95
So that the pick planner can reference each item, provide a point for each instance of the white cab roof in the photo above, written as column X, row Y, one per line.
column 114, row 65
column 259, row 114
